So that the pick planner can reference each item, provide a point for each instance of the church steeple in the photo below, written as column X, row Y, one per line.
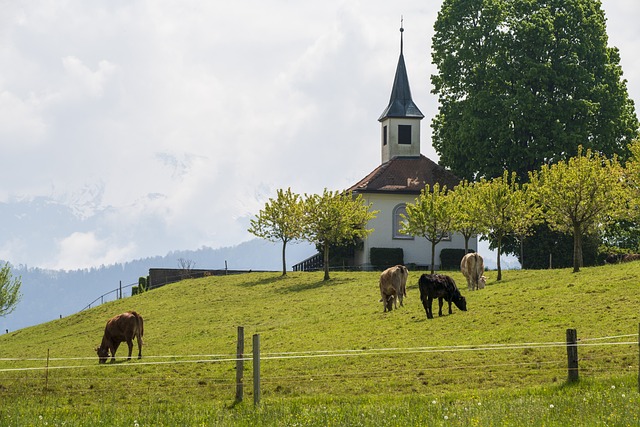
column 401, row 119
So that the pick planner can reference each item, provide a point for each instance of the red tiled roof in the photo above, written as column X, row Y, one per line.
column 405, row 175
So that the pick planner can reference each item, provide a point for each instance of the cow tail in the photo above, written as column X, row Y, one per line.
column 140, row 324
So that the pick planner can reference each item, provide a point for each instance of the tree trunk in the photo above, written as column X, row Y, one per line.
column 284, row 259
column 498, row 260
column 466, row 244
column 577, row 248
column 433, row 256
column 326, row 261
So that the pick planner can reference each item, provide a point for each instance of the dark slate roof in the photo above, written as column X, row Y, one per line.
column 401, row 105
column 407, row 175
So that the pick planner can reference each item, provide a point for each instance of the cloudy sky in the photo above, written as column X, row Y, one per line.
column 134, row 128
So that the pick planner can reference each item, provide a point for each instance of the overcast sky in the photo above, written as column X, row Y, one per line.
column 134, row 128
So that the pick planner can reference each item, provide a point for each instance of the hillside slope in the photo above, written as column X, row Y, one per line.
column 340, row 329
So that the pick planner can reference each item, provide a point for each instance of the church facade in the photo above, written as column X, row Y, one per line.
column 398, row 180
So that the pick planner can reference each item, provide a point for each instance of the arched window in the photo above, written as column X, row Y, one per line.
column 398, row 220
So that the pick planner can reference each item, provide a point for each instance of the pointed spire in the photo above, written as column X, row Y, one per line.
column 401, row 104
column 401, row 33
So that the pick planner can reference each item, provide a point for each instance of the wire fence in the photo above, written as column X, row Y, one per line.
column 310, row 372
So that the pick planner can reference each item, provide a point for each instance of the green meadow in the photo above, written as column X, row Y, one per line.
column 330, row 356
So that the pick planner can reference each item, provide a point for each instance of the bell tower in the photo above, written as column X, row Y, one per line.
column 400, row 121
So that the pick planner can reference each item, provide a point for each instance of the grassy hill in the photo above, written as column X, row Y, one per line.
column 324, row 342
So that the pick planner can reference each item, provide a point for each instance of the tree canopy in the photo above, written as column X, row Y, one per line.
column 499, row 208
column 431, row 217
column 334, row 218
column 522, row 83
column 581, row 195
column 9, row 290
column 281, row 220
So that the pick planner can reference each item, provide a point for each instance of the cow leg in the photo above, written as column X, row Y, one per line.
column 440, row 306
column 130, row 345
column 427, row 307
column 139, row 338
column 114, row 348
column 450, row 312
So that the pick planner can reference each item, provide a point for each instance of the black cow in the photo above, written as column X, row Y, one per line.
column 441, row 287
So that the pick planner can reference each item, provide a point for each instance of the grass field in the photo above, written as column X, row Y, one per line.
column 330, row 356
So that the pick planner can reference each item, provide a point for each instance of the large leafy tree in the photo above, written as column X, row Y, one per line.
column 522, row 83
column 581, row 195
column 334, row 218
column 280, row 221
column 431, row 217
column 9, row 290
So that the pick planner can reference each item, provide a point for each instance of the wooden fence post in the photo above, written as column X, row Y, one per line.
column 256, row 369
column 240, row 365
column 572, row 354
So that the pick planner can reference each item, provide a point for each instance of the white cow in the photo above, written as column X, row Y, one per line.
column 472, row 267
column 393, row 286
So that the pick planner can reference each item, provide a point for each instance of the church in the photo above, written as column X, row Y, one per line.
column 402, row 174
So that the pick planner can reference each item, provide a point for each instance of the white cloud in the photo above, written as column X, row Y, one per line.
column 166, row 125
column 90, row 82
column 84, row 250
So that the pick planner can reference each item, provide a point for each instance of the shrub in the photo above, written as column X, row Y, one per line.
column 142, row 284
column 382, row 258
column 450, row 259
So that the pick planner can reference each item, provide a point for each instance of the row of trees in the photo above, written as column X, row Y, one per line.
column 330, row 219
column 577, row 197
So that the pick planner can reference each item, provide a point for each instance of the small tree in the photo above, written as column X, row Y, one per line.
column 497, row 209
column 186, row 265
column 333, row 218
column 280, row 220
column 431, row 217
column 581, row 195
column 527, row 215
column 9, row 290
column 465, row 201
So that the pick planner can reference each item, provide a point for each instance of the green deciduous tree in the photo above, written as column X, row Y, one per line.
column 333, row 218
column 431, row 217
column 500, row 206
column 9, row 290
column 521, row 83
column 281, row 220
column 581, row 195
column 465, row 201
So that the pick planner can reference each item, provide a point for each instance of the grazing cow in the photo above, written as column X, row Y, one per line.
column 441, row 287
column 393, row 286
column 123, row 327
column 472, row 267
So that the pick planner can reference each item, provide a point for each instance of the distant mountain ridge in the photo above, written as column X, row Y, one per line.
column 49, row 294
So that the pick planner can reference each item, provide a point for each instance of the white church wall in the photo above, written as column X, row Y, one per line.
column 416, row 250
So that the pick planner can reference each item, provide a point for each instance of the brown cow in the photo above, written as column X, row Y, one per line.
column 393, row 286
column 123, row 327
column 472, row 267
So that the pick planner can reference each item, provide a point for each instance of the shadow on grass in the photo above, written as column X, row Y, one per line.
column 301, row 287
column 266, row 281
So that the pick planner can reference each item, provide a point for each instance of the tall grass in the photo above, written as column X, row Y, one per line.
column 330, row 356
